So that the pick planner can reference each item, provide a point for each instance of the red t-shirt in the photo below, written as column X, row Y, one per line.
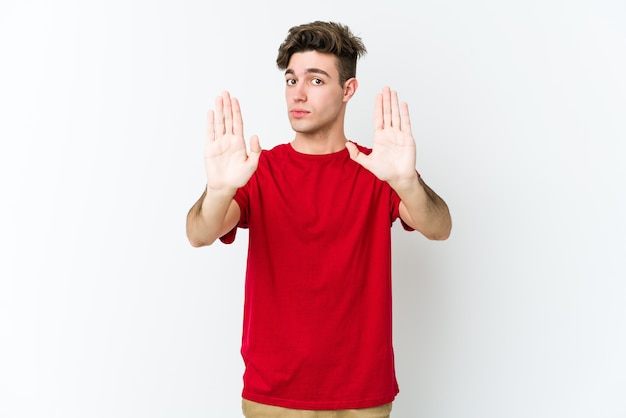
column 317, row 312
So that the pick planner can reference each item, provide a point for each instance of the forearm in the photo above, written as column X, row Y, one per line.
column 423, row 209
column 207, row 217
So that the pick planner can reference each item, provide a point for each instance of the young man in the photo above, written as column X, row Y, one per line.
column 317, row 312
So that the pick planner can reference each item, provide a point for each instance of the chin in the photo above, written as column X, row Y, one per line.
column 300, row 127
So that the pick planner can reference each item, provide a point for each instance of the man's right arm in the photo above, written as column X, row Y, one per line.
column 228, row 167
column 212, row 216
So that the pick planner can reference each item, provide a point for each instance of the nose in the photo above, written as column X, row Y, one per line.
column 299, row 92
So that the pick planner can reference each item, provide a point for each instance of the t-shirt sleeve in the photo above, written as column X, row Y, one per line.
column 241, row 198
column 395, row 211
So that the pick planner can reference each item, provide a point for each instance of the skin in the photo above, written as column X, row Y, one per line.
column 316, row 105
column 316, row 102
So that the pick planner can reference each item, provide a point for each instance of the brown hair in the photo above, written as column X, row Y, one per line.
column 326, row 37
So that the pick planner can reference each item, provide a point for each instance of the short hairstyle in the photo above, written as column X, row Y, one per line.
column 326, row 37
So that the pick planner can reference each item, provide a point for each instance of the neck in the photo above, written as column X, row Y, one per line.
column 318, row 145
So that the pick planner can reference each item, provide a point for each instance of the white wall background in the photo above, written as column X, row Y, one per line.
column 519, row 111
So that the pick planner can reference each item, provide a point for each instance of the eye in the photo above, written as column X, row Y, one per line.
column 290, row 82
column 317, row 81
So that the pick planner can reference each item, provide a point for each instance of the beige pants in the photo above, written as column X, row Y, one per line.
column 259, row 410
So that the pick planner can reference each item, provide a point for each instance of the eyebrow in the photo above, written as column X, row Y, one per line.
column 309, row 71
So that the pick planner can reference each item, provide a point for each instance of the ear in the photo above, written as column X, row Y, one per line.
column 349, row 88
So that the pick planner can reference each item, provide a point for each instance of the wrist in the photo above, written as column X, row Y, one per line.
column 223, row 192
column 405, row 184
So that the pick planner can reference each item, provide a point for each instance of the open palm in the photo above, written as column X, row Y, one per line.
column 227, row 163
column 393, row 153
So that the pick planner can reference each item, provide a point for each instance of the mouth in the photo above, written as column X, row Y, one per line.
column 298, row 113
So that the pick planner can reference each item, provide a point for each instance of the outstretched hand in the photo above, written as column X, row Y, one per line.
column 227, row 163
column 393, row 153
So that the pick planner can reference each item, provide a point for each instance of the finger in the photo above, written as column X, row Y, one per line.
column 405, row 119
column 395, row 110
column 386, row 107
column 228, row 113
column 357, row 155
column 210, row 130
column 255, row 151
column 255, row 144
column 219, row 116
column 237, row 120
column 378, row 112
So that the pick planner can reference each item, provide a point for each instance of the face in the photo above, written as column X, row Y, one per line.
column 315, row 99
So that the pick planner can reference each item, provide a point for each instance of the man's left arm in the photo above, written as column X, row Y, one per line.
column 423, row 210
column 393, row 160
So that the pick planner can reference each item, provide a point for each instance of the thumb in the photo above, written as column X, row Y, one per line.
column 355, row 154
column 352, row 150
column 255, row 149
